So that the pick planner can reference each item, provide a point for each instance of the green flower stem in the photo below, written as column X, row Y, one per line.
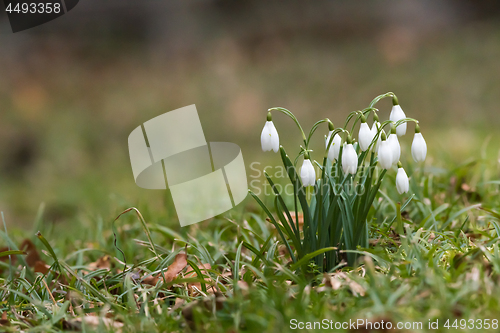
column 289, row 114
column 313, row 129
column 353, row 113
column 378, row 98
column 365, row 113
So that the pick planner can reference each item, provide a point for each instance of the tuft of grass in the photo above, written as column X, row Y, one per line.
column 432, row 256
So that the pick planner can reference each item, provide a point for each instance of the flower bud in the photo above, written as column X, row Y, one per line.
column 307, row 172
column 385, row 153
column 269, row 137
column 349, row 158
column 396, row 115
column 395, row 146
column 365, row 136
column 334, row 150
column 419, row 146
column 402, row 181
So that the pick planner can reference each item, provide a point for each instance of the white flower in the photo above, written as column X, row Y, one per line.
column 307, row 173
column 402, row 182
column 375, row 127
column 349, row 159
column 418, row 147
column 395, row 146
column 397, row 114
column 269, row 137
column 385, row 154
column 333, row 152
column 365, row 136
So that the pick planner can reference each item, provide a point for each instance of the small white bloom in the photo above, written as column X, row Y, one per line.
column 269, row 137
column 375, row 128
column 395, row 146
column 349, row 160
column 307, row 173
column 397, row 114
column 419, row 147
column 365, row 136
column 385, row 155
column 333, row 152
column 402, row 182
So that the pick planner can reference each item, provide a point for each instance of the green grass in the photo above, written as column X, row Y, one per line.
column 438, row 259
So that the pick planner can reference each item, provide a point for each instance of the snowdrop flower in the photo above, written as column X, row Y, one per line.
column 333, row 152
column 349, row 158
column 402, row 182
column 269, row 137
column 365, row 135
column 418, row 147
column 397, row 114
column 395, row 146
column 375, row 128
column 307, row 172
column 385, row 153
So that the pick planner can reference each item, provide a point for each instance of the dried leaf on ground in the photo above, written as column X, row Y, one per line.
column 4, row 321
column 32, row 256
column 95, row 321
column 103, row 262
column 172, row 272
column 41, row 267
column 190, row 273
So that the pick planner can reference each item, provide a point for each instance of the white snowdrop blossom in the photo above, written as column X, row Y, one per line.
column 333, row 152
column 375, row 128
column 349, row 159
column 397, row 114
column 419, row 146
column 385, row 153
column 395, row 146
column 307, row 173
column 269, row 137
column 402, row 181
column 365, row 136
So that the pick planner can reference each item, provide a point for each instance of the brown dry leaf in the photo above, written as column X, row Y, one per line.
column 173, row 270
column 356, row 288
column 95, row 321
column 190, row 273
column 32, row 255
column 177, row 266
column 243, row 286
column 330, row 281
column 103, row 262
column 4, row 321
column 300, row 219
column 41, row 267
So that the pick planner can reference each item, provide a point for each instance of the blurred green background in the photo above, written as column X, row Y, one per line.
column 73, row 89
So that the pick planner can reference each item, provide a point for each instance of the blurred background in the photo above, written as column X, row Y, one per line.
column 73, row 89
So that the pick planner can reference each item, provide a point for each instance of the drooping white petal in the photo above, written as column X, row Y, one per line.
column 349, row 160
column 402, row 182
column 397, row 114
column 385, row 155
column 333, row 152
column 377, row 145
column 396, row 148
column 365, row 136
column 307, row 173
column 419, row 148
column 275, row 139
column 269, row 137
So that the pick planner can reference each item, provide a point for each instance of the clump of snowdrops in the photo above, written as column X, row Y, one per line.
column 335, row 201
